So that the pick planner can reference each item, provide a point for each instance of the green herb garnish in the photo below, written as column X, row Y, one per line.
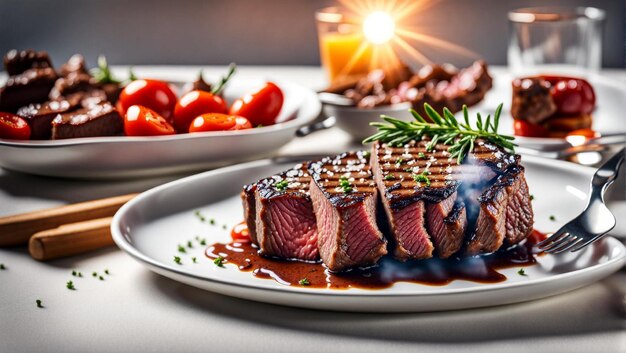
column 224, row 227
column 421, row 155
column 304, row 282
column 552, row 218
column 532, row 197
column 203, row 242
column 399, row 161
column 101, row 278
column 445, row 129
column 232, row 68
column 74, row 273
column 181, row 249
column 189, row 244
column 281, row 185
column 2, row 267
column 194, row 259
column 199, row 215
column 102, row 73
column 421, row 178
column 177, row 260
column 106, row 271
column 344, row 183
column 389, row 176
column 94, row 274
column 521, row 272
column 39, row 303
column 212, row 221
column 219, row 261
column 70, row 285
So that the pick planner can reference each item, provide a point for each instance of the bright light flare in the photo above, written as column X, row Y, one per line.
column 379, row 27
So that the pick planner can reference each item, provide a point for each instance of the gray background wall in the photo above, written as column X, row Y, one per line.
column 274, row 32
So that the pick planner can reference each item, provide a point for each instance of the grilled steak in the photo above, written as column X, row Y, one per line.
column 344, row 200
column 30, row 86
column 505, row 216
column 75, row 64
column 16, row 62
column 280, row 217
column 532, row 100
column 418, row 189
column 99, row 120
column 39, row 116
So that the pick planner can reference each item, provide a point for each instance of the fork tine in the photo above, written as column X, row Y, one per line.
column 581, row 245
column 576, row 241
column 563, row 244
column 562, row 240
column 553, row 238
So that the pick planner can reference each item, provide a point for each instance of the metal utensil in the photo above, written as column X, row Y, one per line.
column 335, row 99
column 561, row 152
column 595, row 221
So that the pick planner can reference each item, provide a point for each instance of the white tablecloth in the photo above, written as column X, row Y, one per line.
column 134, row 310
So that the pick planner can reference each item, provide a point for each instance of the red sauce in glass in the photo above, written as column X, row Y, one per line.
column 435, row 272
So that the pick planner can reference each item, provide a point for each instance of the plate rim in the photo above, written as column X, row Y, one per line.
column 126, row 246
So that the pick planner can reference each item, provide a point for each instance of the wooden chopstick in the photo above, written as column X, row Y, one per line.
column 17, row 230
column 71, row 239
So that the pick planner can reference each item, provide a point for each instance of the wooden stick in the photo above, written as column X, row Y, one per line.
column 16, row 230
column 71, row 239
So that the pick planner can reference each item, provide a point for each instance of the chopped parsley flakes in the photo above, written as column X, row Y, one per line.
column 177, row 260
column 421, row 178
column 304, row 282
column 552, row 218
column 345, row 184
column 521, row 272
column 421, row 155
column 219, row 261
column 389, row 176
column 39, row 303
column 2, row 267
column 70, row 285
column 281, row 185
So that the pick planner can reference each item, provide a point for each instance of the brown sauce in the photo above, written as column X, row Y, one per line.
column 435, row 272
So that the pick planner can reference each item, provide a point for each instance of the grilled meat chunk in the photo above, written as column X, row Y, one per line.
column 30, row 86
column 280, row 217
column 532, row 101
column 344, row 200
column 99, row 120
column 16, row 62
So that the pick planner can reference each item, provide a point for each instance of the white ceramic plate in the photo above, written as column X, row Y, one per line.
column 150, row 227
column 123, row 156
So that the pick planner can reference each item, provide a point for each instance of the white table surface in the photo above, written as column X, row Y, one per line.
column 134, row 310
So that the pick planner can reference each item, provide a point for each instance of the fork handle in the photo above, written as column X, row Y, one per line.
column 606, row 174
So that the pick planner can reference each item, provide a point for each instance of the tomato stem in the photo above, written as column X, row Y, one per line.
column 220, row 87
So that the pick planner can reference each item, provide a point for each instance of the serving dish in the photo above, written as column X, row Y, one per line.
column 150, row 227
column 124, row 156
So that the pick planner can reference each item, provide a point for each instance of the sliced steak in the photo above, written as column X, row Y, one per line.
column 344, row 200
column 505, row 215
column 30, row 86
column 16, row 62
column 39, row 116
column 446, row 223
column 99, row 120
column 75, row 64
column 280, row 216
column 74, row 82
column 532, row 100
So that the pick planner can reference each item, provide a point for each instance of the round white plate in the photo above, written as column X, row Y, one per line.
column 608, row 116
column 124, row 156
column 151, row 226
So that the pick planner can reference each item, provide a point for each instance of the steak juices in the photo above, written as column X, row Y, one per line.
column 426, row 204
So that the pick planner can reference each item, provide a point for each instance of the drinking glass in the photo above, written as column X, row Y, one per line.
column 555, row 40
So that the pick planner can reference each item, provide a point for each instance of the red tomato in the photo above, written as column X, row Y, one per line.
column 219, row 122
column 240, row 233
column 524, row 128
column 196, row 103
column 13, row 127
column 588, row 133
column 142, row 121
column 261, row 107
column 153, row 94
column 573, row 96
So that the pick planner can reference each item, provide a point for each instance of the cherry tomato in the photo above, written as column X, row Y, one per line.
column 219, row 122
column 573, row 96
column 196, row 103
column 13, row 127
column 524, row 128
column 240, row 233
column 588, row 133
column 261, row 107
column 153, row 94
column 142, row 121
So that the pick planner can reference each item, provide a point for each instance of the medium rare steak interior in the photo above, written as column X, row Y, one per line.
column 279, row 214
column 344, row 198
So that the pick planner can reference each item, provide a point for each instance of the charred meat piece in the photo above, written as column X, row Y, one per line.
column 469, row 86
column 75, row 64
column 16, row 62
column 446, row 222
column 344, row 200
column 30, row 86
column 532, row 101
column 280, row 216
column 40, row 115
column 506, row 215
column 99, row 120
column 74, row 82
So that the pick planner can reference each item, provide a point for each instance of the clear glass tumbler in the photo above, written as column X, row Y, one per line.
column 555, row 40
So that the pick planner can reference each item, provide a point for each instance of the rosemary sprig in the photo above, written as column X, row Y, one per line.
column 222, row 84
column 461, row 136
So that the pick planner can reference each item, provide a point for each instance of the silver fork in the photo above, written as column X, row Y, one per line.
column 595, row 221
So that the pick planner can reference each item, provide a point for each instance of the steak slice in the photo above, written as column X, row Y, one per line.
column 418, row 189
column 39, row 116
column 279, row 214
column 16, row 62
column 30, row 86
column 344, row 200
column 98, row 120
column 531, row 100
column 505, row 215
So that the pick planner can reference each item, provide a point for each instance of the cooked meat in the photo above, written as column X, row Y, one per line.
column 506, row 214
column 99, row 120
column 344, row 200
column 74, row 82
column 30, row 86
column 280, row 217
column 75, row 64
column 16, row 62
column 532, row 101
column 40, row 115
column 418, row 189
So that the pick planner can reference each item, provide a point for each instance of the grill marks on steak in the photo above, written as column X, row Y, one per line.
column 280, row 217
column 505, row 215
column 346, row 216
